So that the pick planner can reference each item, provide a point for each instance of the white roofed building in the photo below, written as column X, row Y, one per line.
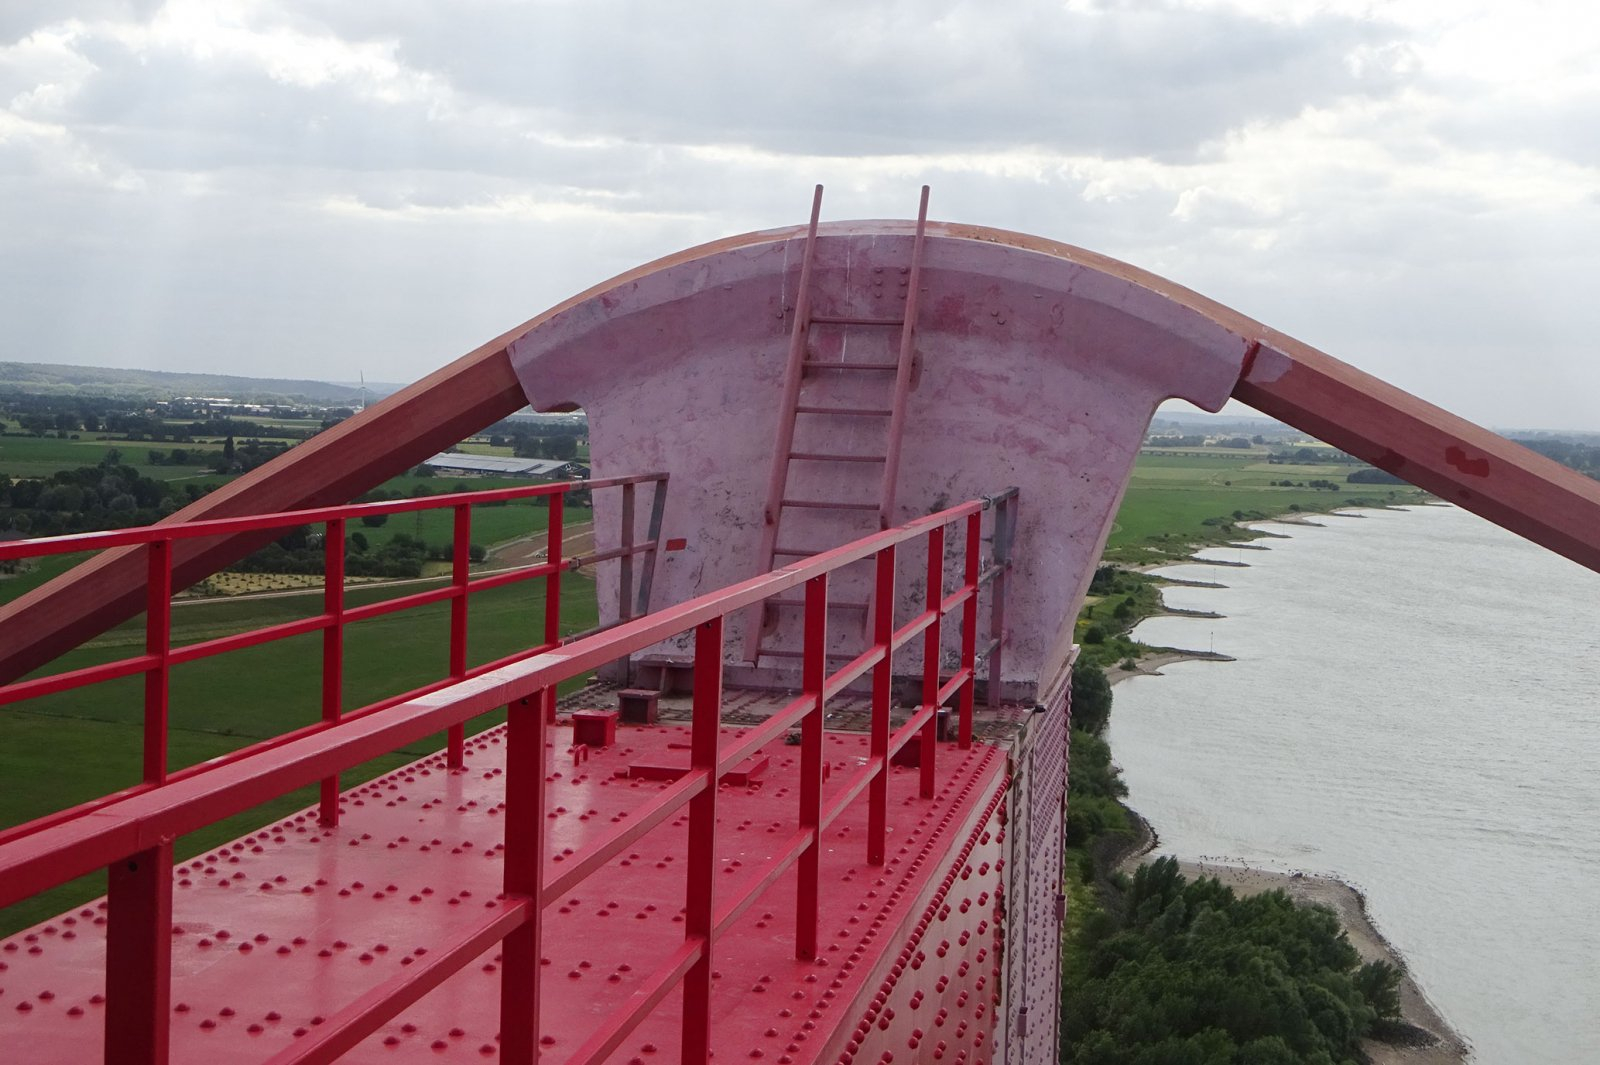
column 495, row 465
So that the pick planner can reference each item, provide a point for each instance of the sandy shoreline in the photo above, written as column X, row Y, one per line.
column 1446, row 1047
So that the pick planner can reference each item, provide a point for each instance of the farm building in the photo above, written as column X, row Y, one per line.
column 494, row 466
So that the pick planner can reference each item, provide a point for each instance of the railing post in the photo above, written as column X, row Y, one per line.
column 139, row 957
column 625, row 575
column 969, row 627
column 460, row 557
column 814, row 670
column 699, row 905
column 524, row 876
column 930, row 660
column 1004, row 528
column 882, row 689
column 158, row 678
column 658, row 507
column 552, row 586
column 333, row 546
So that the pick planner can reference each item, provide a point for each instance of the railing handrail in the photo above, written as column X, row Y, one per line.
column 182, row 806
column 144, row 534
column 160, row 656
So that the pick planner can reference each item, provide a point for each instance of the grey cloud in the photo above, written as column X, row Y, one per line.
column 168, row 110
column 1144, row 79
column 229, row 254
column 1567, row 129
column 19, row 18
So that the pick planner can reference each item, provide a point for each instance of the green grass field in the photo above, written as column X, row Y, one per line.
column 35, row 456
column 490, row 525
column 1171, row 495
column 1178, row 500
column 481, row 447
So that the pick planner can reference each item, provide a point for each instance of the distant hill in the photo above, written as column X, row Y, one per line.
column 43, row 378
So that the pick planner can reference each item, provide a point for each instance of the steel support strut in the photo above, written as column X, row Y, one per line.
column 930, row 660
column 814, row 671
column 700, row 904
column 524, row 876
column 158, row 644
column 332, row 655
column 460, row 558
column 139, row 957
column 969, row 627
column 1517, row 489
column 333, row 467
column 882, row 689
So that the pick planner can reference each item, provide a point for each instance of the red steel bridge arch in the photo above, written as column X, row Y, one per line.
column 1026, row 362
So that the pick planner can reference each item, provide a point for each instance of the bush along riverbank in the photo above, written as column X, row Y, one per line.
column 1160, row 967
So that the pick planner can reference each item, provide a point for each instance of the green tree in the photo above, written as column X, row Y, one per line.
column 1091, row 697
column 1379, row 984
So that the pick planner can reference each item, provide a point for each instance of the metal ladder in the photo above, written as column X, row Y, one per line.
column 810, row 385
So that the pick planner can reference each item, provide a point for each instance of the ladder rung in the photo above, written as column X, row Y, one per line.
column 817, row 456
column 823, row 504
column 831, row 606
column 845, row 319
column 812, row 364
column 864, row 412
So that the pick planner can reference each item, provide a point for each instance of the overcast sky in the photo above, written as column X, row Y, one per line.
column 322, row 188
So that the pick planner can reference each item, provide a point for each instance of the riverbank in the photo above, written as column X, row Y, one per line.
column 1423, row 1037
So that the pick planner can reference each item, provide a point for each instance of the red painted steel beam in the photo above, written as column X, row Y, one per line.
column 1517, row 489
column 139, row 956
column 333, row 467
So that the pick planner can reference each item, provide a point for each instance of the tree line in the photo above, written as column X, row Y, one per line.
column 1182, row 970
column 1585, row 458
column 108, row 496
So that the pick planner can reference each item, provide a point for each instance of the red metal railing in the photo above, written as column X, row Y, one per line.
column 130, row 833
column 160, row 656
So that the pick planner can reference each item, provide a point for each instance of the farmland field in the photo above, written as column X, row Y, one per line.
column 1172, row 495
column 34, row 456
column 476, row 447
column 490, row 524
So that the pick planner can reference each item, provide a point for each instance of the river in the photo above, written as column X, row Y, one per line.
column 1415, row 709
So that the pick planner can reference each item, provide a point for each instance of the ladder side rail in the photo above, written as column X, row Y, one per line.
column 787, row 411
column 902, row 377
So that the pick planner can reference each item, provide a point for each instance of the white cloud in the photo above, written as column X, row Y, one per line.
column 313, row 186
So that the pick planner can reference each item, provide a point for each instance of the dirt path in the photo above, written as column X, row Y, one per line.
column 526, row 550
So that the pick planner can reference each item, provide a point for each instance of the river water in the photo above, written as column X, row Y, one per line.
column 1415, row 709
